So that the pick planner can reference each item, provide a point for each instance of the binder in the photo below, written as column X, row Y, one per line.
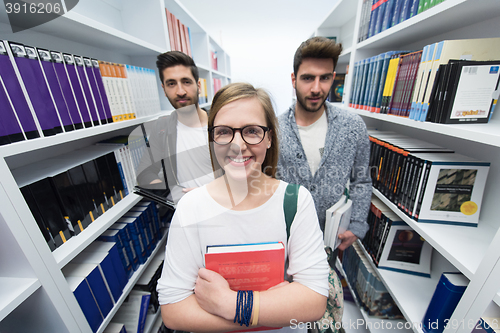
column 65, row 85
column 74, row 81
column 16, row 96
column 80, row 70
column 55, row 89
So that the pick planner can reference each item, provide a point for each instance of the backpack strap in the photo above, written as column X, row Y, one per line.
column 290, row 205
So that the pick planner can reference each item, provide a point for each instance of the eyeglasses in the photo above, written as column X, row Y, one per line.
column 251, row 134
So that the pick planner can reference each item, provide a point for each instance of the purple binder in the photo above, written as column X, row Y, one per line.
column 10, row 131
column 100, row 85
column 69, row 97
column 15, row 92
column 55, row 89
column 89, row 71
column 32, row 77
column 77, row 89
column 86, row 89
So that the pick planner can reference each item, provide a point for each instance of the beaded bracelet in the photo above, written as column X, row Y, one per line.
column 244, row 306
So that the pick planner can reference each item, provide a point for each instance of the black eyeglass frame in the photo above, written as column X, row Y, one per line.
column 211, row 131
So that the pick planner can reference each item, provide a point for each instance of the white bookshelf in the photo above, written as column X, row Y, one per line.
column 119, row 31
column 475, row 252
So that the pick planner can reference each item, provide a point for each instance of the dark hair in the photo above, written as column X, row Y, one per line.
column 317, row 47
column 236, row 91
column 174, row 58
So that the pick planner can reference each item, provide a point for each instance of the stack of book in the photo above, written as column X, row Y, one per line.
column 427, row 182
column 178, row 34
column 379, row 15
column 368, row 288
column 337, row 220
column 393, row 245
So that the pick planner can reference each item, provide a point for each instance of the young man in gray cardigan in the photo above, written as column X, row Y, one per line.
column 178, row 142
column 322, row 147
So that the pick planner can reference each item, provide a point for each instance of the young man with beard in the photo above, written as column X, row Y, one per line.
column 178, row 142
column 322, row 147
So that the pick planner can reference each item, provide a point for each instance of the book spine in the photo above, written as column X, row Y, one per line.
column 422, row 190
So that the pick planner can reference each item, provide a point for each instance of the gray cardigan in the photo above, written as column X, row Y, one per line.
column 346, row 156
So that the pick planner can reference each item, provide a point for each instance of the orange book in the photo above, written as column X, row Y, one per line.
column 256, row 267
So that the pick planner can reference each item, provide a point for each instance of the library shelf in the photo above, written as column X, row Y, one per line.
column 69, row 250
column 15, row 291
column 488, row 134
column 132, row 281
column 26, row 146
column 462, row 246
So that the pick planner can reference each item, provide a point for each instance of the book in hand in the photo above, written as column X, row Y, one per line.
column 337, row 220
column 256, row 267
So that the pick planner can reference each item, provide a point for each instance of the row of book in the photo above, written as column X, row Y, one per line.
column 65, row 200
column 178, row 34
column 217, row 84
column 213, row 58
column 337, row 90
column 427, row 182
column 203, row 95
column 132, row 91
column 379, row 15
column 393, row 245
column 108, row 263
column 367, row 286
column 44, row 92
column 432, row 84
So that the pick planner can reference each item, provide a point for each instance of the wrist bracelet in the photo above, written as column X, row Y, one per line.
column 244, row 306
column 255, row 320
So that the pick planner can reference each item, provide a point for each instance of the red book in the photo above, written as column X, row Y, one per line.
column 256, row 267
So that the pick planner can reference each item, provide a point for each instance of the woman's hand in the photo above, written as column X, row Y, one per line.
column 213, row 294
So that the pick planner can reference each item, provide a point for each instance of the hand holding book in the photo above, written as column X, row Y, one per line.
column 214, row 295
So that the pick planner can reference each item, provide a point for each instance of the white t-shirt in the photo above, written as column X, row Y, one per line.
column 313, row 141
column 189, row 165
column 200, row 221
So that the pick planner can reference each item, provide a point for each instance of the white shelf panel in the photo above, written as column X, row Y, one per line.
column 343, row 12
column 444, row 17
column 464, row 247
column 14, row 291
column 131, row 283
column 496, row 298
column 412, row 293
column 151, row 321
column 62, row 138
column 80, row 29
column 376, row 325
column 488, row 133
column 66, row 252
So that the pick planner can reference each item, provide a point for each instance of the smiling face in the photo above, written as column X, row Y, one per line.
column 312, row 83
column 239, row 159
column 179, row 86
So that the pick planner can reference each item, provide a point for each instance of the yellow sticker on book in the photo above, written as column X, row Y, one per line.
column 80, row 225
column 62, row 236
column 112, row 201
column 468, row 208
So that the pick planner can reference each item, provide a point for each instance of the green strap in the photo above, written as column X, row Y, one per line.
column 290, row 206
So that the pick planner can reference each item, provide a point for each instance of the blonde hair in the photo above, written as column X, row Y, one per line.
column 236, row 91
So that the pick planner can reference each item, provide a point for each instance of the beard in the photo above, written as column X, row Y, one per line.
column 303, row 103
